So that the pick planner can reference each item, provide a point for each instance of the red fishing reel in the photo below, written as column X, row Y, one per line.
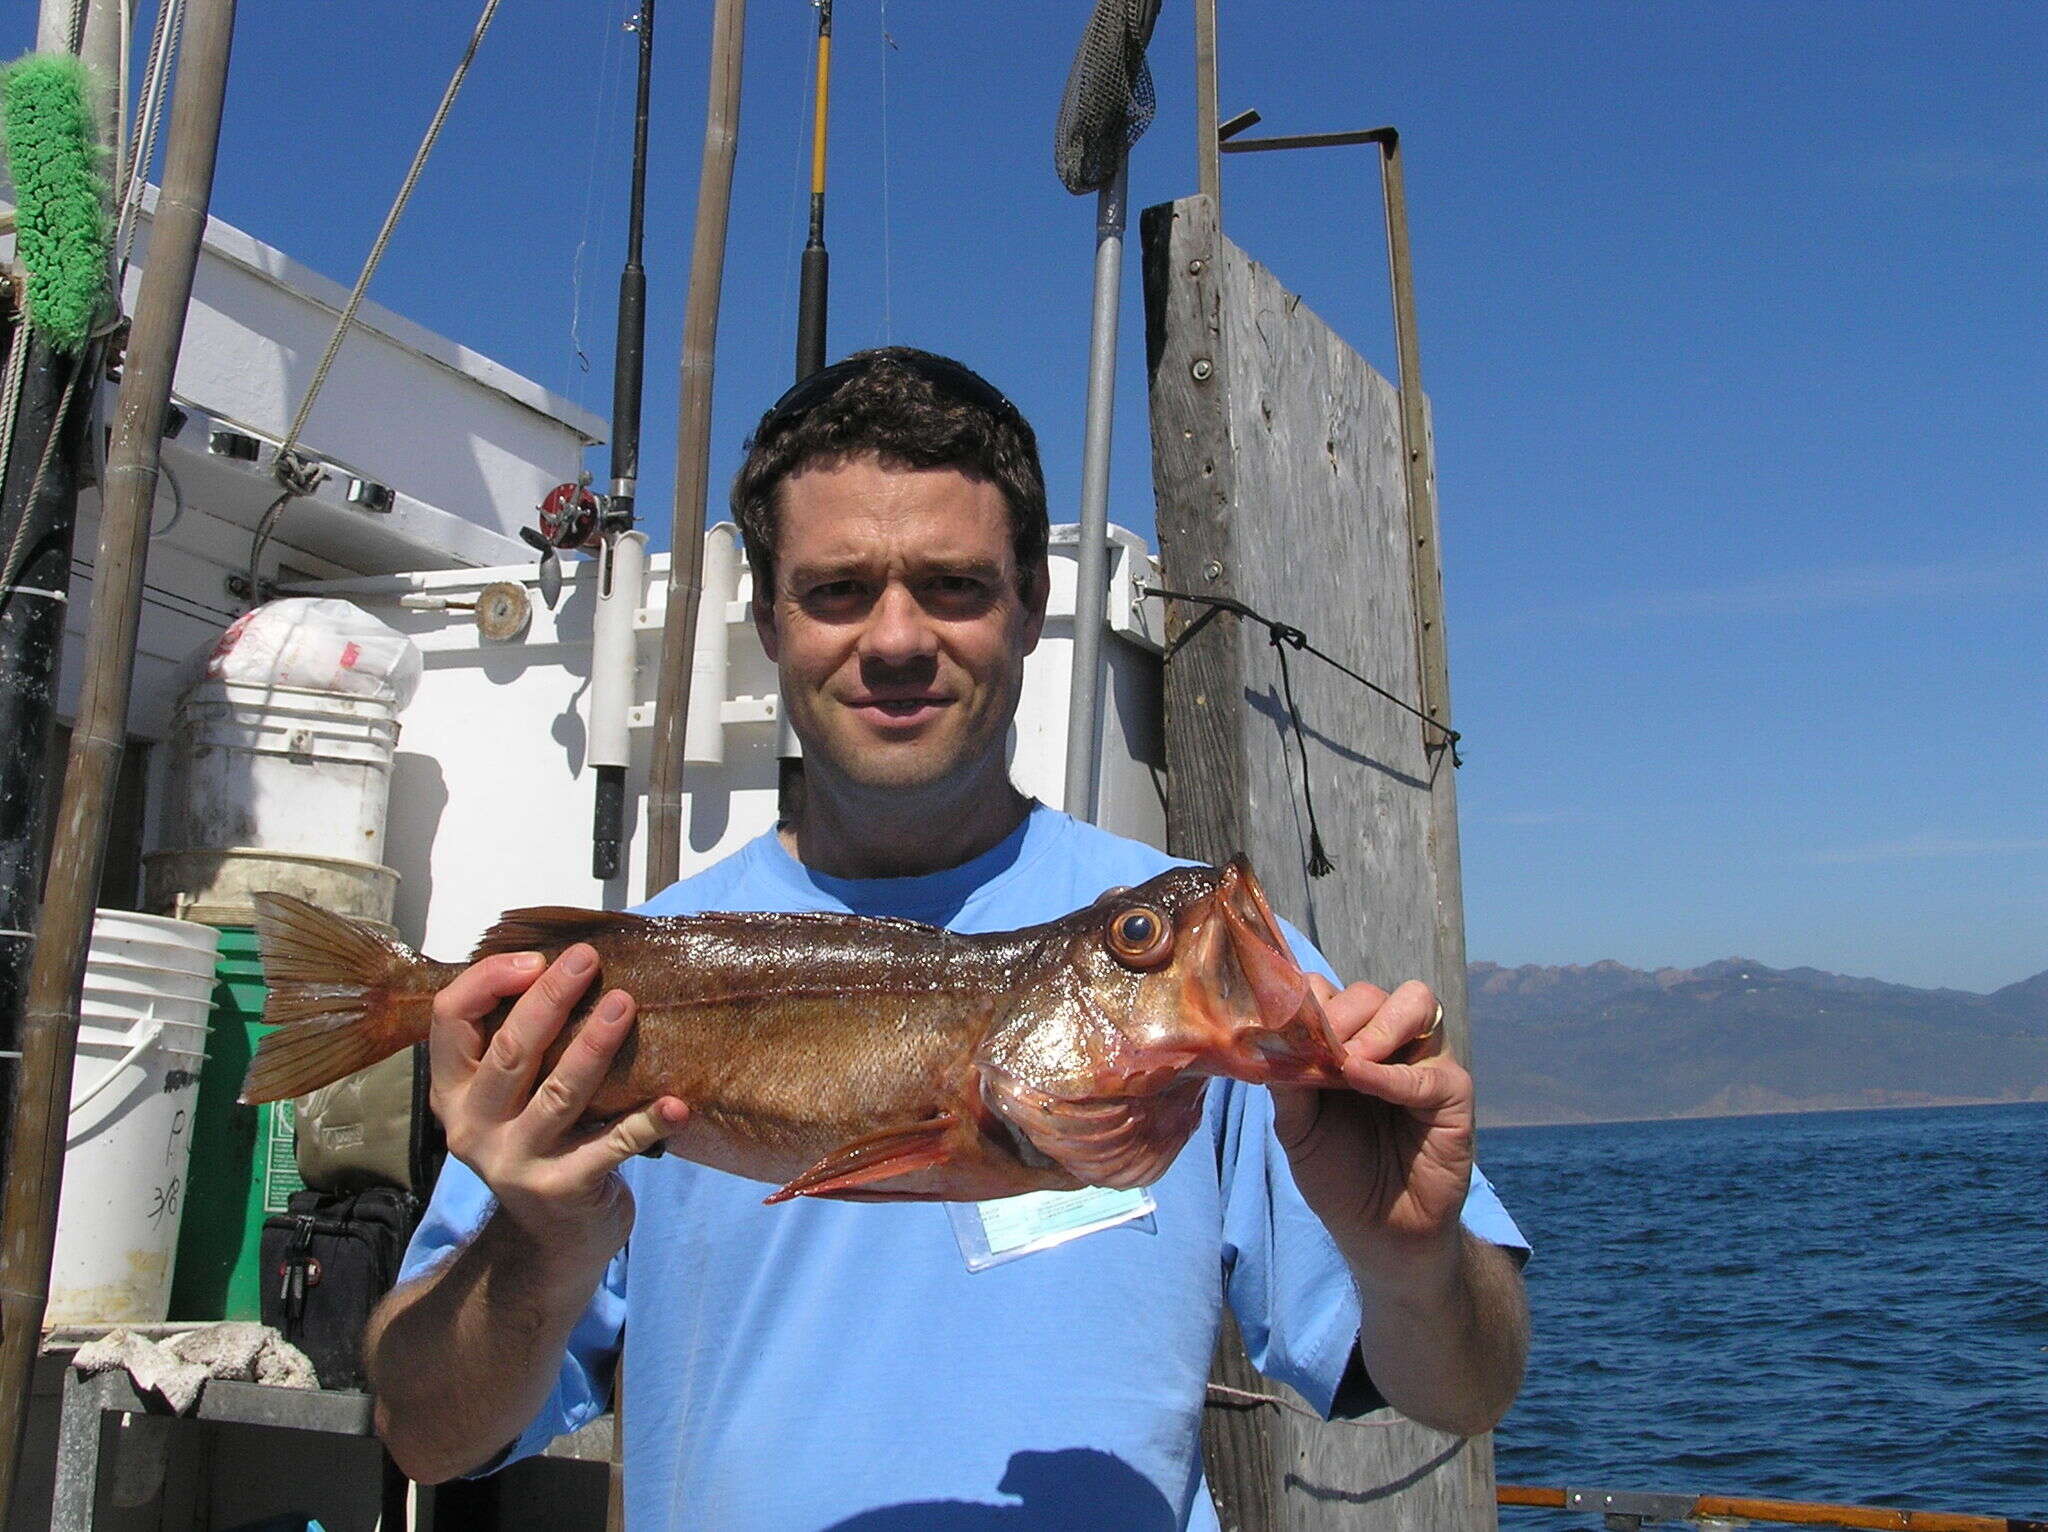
column 570, row 517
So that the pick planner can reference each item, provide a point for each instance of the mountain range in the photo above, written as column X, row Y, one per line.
column 1605, row 1042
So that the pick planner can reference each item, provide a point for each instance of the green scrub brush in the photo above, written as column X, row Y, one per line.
column 46, row 128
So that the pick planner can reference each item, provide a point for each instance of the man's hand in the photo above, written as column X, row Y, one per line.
column 462, row 1356
column 1386, row 1166
column 1386, row 1163
column 552, row 1177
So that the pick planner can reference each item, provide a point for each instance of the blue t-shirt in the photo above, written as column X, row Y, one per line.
column 824, row 1364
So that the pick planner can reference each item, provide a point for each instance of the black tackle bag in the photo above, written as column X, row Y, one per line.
column 327, row 1260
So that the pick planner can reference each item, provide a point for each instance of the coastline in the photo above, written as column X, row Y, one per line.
column 2038, row 1097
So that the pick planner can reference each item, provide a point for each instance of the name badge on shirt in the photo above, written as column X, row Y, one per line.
column 990, row 1233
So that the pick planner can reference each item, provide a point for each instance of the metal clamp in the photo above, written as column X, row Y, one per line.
column 1629, row 1510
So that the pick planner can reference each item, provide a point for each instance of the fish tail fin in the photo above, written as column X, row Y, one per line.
column 341, row 997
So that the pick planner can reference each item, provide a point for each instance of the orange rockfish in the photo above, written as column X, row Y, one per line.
column 858, row 1057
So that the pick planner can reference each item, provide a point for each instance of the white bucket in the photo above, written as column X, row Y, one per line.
column 141, row 1043
column 281, row 768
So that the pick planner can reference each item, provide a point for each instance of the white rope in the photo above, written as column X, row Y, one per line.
column 419, row 162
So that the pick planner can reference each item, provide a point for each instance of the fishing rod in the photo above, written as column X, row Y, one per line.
column 813, row 281
column 621, row 551
column 810, row 303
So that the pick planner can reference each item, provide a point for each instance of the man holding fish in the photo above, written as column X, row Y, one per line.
column 882, row 1343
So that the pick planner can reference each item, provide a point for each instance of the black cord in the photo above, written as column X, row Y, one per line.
column 1218, row 604
column 1319, row 863
column 1284, row 636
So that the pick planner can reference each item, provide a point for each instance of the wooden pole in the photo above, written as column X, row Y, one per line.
column 57, row 411
column 1205, row 801
column 1281, row 482
column 1208, row 161
column 693, row 448
column 50, row 1025
column 1418, row 466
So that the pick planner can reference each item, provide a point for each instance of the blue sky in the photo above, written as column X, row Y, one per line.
column 1732, row 318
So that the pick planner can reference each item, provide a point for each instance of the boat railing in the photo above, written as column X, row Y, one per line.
column 1630, row 1510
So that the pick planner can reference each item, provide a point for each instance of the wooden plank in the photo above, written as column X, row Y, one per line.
column 1204, row 744
column 1191, row 473
column 1280, row 478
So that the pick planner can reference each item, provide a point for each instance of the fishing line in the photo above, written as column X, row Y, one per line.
column 888, row 46
column 607, row 73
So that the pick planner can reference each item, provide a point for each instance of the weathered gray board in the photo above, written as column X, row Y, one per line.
column 1277, row 465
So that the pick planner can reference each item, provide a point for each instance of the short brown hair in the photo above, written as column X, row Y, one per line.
column 909, row 409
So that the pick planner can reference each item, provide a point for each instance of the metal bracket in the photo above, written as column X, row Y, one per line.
column 732, row 710
column 1628, row 1510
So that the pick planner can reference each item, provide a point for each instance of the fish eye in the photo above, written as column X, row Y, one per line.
column 1140, row 937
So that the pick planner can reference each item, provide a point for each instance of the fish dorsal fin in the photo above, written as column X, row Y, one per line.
column 551, row 926
column 822, row 920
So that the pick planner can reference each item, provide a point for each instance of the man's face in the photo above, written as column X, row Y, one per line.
column 898, row 625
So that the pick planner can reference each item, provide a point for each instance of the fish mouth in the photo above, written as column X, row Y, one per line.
column 1268, row 1026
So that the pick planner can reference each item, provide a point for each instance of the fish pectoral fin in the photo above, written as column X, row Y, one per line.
column 876, row 1157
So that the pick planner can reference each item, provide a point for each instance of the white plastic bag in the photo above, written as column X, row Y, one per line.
column 319, row 643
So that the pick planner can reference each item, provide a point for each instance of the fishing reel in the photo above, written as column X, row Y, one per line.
column 571, row 516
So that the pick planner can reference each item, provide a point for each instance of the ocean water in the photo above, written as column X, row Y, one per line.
column 1844, row 1306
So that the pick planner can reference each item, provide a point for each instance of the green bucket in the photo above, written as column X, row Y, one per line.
column 243, row 1164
